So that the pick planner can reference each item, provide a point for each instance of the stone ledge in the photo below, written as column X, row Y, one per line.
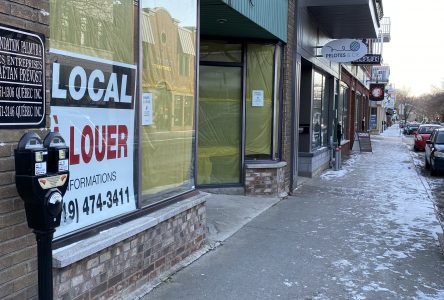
column 70, row 254
column 266, row 165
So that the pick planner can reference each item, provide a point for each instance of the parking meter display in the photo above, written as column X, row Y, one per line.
column 40, row 168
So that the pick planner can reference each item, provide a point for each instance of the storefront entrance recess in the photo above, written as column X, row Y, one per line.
column 219, row 142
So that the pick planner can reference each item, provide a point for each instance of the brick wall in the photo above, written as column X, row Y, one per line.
column 18, row 254
column 265, row 181
column 121, row 269
column 288, row 97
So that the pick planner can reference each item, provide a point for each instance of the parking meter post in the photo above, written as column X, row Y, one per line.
column 338, row 158
column 44, row 263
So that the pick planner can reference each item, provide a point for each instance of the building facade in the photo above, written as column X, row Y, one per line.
column 158, row 100
column 330, row 95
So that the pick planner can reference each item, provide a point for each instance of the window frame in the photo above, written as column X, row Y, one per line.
column 140, row 211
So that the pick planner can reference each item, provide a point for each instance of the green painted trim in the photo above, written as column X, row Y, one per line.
column 272, row 15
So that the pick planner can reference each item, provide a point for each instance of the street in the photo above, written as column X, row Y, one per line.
column 434, row 184
column 368, row 231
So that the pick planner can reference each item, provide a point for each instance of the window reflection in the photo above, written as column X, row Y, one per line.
column 318, row 89
column 168, row 77
column 101, row 29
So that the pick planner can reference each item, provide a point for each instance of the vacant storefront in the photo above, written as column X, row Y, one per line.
column 123, row 94
column 239, row 101
column 240, row 96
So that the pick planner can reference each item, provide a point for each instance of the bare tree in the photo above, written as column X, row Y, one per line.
column 436, row 105
column 406, row 104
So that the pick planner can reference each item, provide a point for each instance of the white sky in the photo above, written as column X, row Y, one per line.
column 417, row 42
column 183, row 10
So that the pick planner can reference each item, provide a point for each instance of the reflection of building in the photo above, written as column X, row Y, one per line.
column 229, row 119
column 168, row 68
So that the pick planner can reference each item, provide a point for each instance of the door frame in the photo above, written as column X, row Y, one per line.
column 240, row 65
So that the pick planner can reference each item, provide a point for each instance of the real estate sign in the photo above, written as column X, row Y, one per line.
column 92, row 107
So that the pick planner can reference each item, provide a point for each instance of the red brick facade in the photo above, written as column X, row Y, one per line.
column 356, row 87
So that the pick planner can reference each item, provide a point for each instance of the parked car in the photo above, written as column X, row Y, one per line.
column 422, row 135
column 411, row 128
column 434, row 151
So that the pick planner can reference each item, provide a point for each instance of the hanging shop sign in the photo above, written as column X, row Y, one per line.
column 344, row 50
column 368, row 59
column 22, row 79
column 381, row 74
column 376, row 92
column 92, row 107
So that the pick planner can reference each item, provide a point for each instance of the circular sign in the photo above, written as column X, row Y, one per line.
column 377, row 92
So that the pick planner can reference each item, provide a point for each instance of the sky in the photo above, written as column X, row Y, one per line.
column 415, row 50
column 184, row 10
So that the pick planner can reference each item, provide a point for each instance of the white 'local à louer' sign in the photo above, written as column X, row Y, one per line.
column 344, row 50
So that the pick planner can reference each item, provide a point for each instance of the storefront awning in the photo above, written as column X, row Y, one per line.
column 347, row 18
column 244, row 19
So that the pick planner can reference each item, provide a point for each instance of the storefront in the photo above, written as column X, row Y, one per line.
column 239, row 104
column 240, row 98
column 356, row 95
column 328, row 96
column 123, row 93
column 316, row 119
column 125, row 154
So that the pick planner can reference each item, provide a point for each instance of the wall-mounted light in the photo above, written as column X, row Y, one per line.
column 222, row 21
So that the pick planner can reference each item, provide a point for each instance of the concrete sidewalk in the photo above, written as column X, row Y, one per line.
column 226, row 215
column 365, row 232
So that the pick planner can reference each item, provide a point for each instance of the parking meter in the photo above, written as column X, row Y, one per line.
column 40, row 184
column 58, row 153
column 42, row 173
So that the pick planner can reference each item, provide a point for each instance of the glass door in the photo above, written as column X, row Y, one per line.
column 220, row 112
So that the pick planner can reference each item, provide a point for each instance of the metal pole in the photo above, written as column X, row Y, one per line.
column 338, row 158
column 44, row 260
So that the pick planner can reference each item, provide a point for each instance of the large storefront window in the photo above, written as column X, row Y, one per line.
column 259, row 101
column 358, row 112
column 93, row 99
column 343, row 110
column 168, row 98
column 320, row 111
column 277, row 103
